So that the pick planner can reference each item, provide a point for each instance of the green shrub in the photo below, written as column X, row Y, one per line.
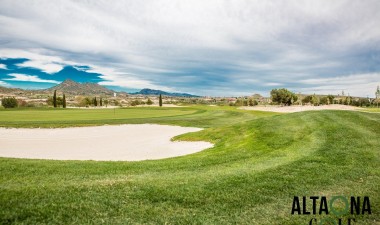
column 324, row 100
column 135, row 102
column 307, row 99
column 283, row 96
column 9, row 102
column 252, row 102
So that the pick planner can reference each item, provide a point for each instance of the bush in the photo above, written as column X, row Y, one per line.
column 283, row 96
column 347, row 101
column 58, row 101
column 315, row 100
column 9, row 102
column 252, row 102
column 307, row 99
column 324, row 101
column 331, row 99
column 85, row 102
column 49, row 101
column 106, row 102
column 116, row 103
column 364, row 102
column 135, row 102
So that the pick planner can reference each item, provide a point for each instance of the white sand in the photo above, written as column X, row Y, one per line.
column 298, row 108
column 114, row 143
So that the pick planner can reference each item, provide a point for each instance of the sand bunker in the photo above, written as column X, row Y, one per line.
column 291, row 109
column 114, row 143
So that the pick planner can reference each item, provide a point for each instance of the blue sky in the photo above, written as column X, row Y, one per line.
column 214, row 47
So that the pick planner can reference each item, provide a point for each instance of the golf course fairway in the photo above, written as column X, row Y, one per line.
column 259, row 162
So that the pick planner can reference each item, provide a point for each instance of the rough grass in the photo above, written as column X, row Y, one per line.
column 259, row 162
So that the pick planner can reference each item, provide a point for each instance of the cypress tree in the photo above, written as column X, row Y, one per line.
column 160, row 101
column 101, row 101
column 55, row 99
column 95, row 102
column 64, row 101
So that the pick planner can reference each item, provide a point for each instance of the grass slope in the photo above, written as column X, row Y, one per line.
column 259, row 162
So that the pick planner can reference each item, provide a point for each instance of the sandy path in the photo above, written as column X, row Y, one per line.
column 291, row 109
column 124, row 142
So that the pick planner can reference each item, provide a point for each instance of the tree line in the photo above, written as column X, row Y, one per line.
column 278, row 96
column 285, row 97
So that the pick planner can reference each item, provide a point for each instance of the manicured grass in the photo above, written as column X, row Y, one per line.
column 46, row 117
column 198, row 116
column 259, row 162
column 371, row 109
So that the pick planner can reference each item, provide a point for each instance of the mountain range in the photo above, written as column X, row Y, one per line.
column 71, row 87
column 147, row 91
column 74, row 88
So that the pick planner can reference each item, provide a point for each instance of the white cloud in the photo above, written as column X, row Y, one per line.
column 272, row 84
column 2, row 83
column 42, row 65
column 46, row 63
column 138, row 32
column 356, row 85
column 51, row 64
column 3, row 66
column 112, row 77
column 154, row 43
column 356, row 79
column 29, row 78
column 133, row 83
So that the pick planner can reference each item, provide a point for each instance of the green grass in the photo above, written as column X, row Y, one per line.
column 259, row 162
column 46, row 117
column 198, row 116
column 370, row 109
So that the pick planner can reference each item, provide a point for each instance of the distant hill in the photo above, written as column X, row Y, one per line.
column 257, row 96
column 147, row 91
column 71, row 87
column 5, row 90
column 74, row 88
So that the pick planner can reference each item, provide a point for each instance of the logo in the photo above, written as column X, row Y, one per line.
column 336, row 206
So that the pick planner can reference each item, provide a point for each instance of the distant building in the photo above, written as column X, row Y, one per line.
column 114, row 94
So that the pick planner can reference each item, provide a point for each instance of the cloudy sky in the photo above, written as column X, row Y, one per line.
column 213, row 47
